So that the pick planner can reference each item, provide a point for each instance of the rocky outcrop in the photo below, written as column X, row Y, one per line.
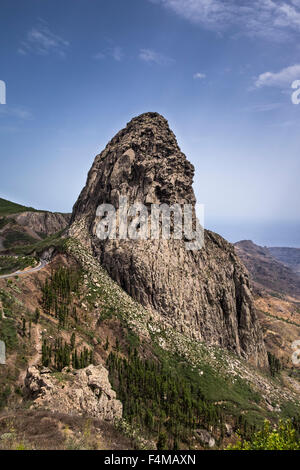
column 206, row 293
column 86, row 391
column 205, row 437
column 43, row 223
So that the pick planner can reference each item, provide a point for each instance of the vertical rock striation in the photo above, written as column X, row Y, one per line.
column 206, row 293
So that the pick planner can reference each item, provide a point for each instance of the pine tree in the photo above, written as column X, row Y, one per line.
column 162, row 441
column 73, row 341
column 23, row 326
column 36, row 315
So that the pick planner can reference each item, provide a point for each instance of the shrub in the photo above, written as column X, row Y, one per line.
column 281, row 437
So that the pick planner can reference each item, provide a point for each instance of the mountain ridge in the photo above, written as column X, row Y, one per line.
column 175, row 332
column 288, row 256
column 266, row 270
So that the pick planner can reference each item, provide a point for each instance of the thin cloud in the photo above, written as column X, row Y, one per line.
column 199, row 76
column 152, row 57
column 270, row 19
column 115, row 52
column 281, row 79
column 286, row 124
column 16, row 112
column 41, row 41
column 265, row 107
column 99, row 56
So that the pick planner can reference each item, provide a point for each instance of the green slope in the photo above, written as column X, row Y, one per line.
column 8, row 207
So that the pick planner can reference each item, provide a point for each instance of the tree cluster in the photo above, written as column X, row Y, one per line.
column 57, row 294
column 274, row 364
column 162, row 403
column 62, row 354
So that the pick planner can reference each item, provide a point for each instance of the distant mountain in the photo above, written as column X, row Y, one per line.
column 266, row 271
column 22, row 226
column 146, row 330
column 288, row 256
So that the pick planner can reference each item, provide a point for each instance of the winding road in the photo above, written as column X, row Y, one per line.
column 40, row 266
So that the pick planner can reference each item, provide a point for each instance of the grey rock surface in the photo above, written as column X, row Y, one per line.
column 46, row 223
column 86, row 391
column 205, row 437
column 206, row 294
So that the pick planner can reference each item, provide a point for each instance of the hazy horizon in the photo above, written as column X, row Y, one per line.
column 221, row 78
column 271, row 234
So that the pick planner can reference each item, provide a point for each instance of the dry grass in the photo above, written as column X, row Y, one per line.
column 43, row 430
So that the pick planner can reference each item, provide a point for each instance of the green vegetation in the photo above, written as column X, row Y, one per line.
column 281, row 319
column 169, row 401
column 43, row 235
column 3, row 221
column 8, row 207
column 274, row 364
column 57, row 294
column 8, row 331
column 38, row 247
column 63, row 355
column 159, row 400
column 277, row 295
column 285, row 436
column 17, row 341
column 37, row 315
column 14, row 238
column 10, row 264
column 4, row 395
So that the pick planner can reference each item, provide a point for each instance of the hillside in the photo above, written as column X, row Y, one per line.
column 288, row 256
column 207, row 389
column 136, row 344
column 8, row 207
column 277, row 289
column 25, row 231
column 266, row 271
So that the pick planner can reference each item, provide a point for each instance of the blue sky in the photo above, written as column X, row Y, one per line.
column 219, row 71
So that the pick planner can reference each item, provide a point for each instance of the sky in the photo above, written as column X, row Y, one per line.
column 221, row 72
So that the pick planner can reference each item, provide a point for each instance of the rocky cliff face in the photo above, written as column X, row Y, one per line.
column 43, row 223
column 87, row 391
column 205, row 293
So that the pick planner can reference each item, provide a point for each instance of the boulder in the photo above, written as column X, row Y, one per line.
column 86, row 391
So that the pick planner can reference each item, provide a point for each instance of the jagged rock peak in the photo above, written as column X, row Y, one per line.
column 144, row 162
column 147, row 125
column 205, row 294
